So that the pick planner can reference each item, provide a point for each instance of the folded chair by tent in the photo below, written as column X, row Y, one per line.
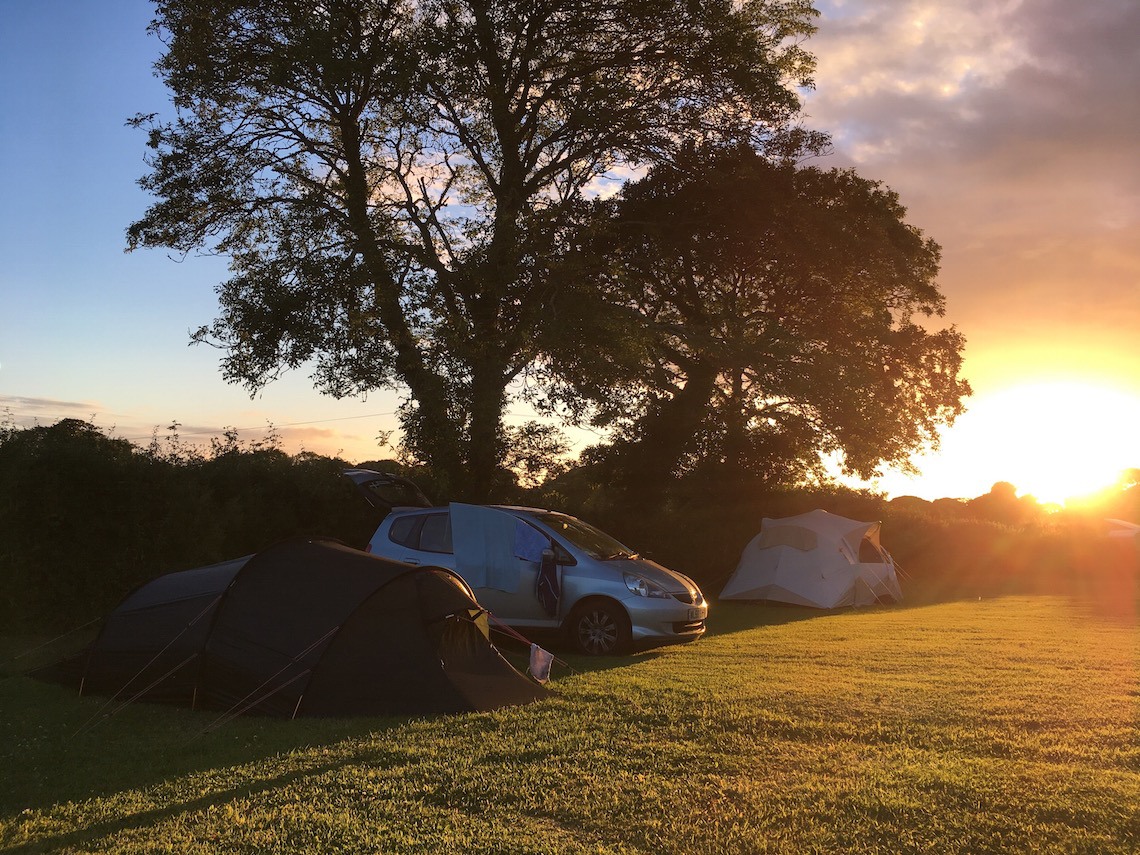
column 308, row 627
column 815, row 559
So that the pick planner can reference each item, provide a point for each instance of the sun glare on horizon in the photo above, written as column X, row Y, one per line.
column 1054, row 440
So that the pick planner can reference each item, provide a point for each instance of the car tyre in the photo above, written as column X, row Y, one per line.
column 599, row 628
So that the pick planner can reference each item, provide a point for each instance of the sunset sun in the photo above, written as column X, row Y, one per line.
column 1053, row 439
column 1059, row 440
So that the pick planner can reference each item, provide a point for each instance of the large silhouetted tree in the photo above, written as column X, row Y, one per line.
column 395, row 182
column 780, row 308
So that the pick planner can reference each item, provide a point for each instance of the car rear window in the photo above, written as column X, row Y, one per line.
column 402, row 530
column 435, row 536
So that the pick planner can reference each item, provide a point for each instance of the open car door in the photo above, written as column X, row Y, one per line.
column 502, row 557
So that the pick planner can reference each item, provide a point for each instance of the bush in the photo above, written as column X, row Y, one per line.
column 85, row 517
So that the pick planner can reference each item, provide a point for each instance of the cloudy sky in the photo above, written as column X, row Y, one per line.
column 1009, row 129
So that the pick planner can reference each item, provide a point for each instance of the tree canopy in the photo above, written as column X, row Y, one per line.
column 780, row 307
column 394, row 181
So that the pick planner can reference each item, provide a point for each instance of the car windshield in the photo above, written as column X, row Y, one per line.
column 595, row 543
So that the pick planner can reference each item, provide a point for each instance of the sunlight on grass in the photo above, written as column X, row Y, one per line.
column 991, row 726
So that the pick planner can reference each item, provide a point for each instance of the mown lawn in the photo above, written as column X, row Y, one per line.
column 995, row 726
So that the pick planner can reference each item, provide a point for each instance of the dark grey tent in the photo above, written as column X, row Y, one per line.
column 307, row 627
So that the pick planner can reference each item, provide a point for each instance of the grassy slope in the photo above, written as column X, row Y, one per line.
column 996, row 726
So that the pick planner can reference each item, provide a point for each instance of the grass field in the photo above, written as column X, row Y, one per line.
column 1008, row 725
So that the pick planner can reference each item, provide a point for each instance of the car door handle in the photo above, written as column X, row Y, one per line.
column 407, row 560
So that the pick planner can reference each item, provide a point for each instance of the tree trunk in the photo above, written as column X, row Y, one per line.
column 735, row 426
column 485, row 432
column 665, row 434
column 437, row 432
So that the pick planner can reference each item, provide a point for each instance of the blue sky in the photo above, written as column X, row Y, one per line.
column 87, row 330
column 1008, row 129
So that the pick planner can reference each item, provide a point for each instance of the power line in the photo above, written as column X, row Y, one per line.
column 270, row 423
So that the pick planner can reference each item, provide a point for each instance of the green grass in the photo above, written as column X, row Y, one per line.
column 997, row 726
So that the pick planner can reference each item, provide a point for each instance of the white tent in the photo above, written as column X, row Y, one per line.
column 815, row 559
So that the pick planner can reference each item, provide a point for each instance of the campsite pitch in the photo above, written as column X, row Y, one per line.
column 996, row 726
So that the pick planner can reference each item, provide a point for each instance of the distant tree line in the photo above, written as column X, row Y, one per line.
column 86, row 517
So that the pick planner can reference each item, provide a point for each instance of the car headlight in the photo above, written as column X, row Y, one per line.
column 643, row 587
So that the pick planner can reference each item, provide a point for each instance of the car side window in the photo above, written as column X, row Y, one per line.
column 402, row 530
column 435, row 536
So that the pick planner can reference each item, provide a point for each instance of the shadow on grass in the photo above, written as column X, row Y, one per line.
column 726, row 618
column 57, row 747
column 567, row 661
column 90, row 835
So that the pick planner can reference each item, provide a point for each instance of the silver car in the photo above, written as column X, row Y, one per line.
column 535, row 569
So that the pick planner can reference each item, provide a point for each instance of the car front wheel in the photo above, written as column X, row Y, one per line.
column 600, row 629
